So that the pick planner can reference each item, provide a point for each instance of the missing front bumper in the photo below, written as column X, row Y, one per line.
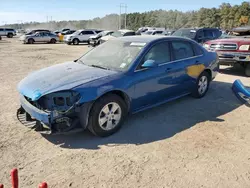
column 46, row 122
column 62, row 125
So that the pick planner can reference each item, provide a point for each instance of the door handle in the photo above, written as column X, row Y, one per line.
column 168, row 70
column 197, row 62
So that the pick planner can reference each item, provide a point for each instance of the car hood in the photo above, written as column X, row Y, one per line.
column 93, row 36
column 230, row 40
column 59, row 77
column 105, row 38
column 71, row 35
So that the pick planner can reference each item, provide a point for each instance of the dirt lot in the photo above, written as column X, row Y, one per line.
column 186, row 143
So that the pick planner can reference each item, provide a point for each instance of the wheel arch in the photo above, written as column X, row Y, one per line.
column 119, row 93
column 86, row 107
column 209, row 73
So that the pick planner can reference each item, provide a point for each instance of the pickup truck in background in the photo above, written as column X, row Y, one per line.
column 7, row 32
column 232, row 50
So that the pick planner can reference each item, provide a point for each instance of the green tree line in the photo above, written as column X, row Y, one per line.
column 225, row 16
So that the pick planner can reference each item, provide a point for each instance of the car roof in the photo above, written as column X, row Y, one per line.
column 149, row 38
column 196, row 29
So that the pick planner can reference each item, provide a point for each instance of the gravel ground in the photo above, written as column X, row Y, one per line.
column 186, row 143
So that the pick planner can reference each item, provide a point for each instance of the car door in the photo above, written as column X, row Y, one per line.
column 46, row 37
column 153, row 85
column 82, row 36
column 38, row 37
column 187, row 64
column 85, row 35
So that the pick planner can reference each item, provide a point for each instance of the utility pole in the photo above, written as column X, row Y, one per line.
column 123, row 6
column 125, row 16
column 51, row 22
column 119, row 27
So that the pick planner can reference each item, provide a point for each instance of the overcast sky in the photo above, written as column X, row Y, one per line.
column 13, row 11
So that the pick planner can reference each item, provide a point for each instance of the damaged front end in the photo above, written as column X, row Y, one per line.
column 54, row 113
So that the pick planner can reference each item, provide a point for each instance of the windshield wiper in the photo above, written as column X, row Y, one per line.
column 79, row 60
column 98, row 66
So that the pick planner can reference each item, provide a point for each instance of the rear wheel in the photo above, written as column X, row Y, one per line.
column 53, row 41
column 75, row 41
column 9, row 35
column 107, row 115
column 247, row 70
column 202, row 85
column 31, row 41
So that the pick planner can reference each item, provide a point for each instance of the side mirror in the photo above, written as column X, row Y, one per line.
column 149, row 64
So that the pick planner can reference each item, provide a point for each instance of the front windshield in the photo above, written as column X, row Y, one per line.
column 113, row 55
column 101, row 34
column 77, row 32
column 185, row 33
column 117, row 34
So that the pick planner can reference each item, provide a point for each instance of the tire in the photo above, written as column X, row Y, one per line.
column 75, row 41
column 97, row 115
column 10, row 35
column 0, row 38
column 247, row 70
column 202, row 85
column 53, row 41
column 31, row 41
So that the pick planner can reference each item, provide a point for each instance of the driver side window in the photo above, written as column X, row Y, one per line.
column 160, row 53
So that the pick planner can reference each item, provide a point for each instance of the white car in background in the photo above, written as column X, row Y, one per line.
column 153, row 32
column 95, row 39
column 119, row 33
column 80, row 36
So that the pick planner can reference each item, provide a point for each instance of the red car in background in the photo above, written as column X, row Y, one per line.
column 232, row 50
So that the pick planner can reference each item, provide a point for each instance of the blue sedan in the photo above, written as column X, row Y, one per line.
column 122, row 76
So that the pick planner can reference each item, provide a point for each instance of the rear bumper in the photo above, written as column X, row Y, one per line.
column 230, row 58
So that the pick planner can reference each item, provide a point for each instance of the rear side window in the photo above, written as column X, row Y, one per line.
column 9, row 29
column 182, row 50
column 1, row 29
column 87, row 32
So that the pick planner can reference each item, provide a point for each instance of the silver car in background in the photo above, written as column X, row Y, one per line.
column 40, row 37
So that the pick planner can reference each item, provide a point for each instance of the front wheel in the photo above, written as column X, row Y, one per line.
column 75, row 41
column 31, row 41
column 202, row 85
column 107, row 115
column 10, row 35
column 53, row 41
